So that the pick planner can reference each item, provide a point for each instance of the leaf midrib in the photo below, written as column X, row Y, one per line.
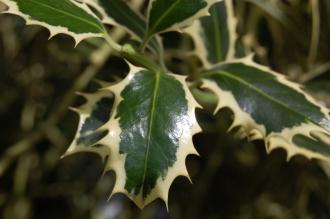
column 150, row 125
column 262, row 93
column 68, row 14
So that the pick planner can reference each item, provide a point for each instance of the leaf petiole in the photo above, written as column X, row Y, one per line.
column 132, row 55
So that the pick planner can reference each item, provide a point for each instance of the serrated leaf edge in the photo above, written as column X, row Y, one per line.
column 253, row 131
column 53, row 30
column 116, row 160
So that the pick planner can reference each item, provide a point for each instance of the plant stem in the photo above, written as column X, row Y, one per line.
column 315, row 32
column 115, row 46
column 206, row 99
column 129, row 53
column 145, row 41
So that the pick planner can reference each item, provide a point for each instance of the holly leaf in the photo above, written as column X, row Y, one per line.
column 166, row 15
column 267, row 106
column 65, row 16
column 215, row 36
column 149, row 133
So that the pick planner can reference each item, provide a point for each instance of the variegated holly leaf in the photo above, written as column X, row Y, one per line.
column 92, row 115
column 165, row 15
column 65, row 16
column 119, row 13
column 267, row 106
column 215, row 36
column 149, row 134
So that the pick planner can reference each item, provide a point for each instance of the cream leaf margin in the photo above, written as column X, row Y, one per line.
column 53, row 30
column 110, row 144
column 117, row 160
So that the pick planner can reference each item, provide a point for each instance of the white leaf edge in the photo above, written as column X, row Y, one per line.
column 249, row 128
column 200, row 50
column 179, row 26
column 53, row 30
column 116, row 161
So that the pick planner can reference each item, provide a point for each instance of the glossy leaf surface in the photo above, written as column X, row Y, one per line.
column 148, row 136
column 156, row 118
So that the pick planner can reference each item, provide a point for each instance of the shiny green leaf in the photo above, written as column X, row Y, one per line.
column 150, row 133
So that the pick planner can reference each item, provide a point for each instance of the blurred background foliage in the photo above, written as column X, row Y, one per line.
column 232, row 178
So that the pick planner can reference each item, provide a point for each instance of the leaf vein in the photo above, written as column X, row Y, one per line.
column 150, row 125
column 262, row 93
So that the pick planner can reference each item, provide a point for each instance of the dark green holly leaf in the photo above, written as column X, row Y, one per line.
column 150, row 133
column 267, row 106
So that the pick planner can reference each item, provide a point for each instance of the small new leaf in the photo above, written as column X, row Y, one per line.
column 267, row 106
column 65, row 16
column 215, row 36
column 150, row 133
column 166, row 15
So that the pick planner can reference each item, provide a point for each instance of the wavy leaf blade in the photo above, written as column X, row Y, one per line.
column 150, row 150
column 143, row 132
column 58, row 16
column 173, row 14
column 150, row 133
column 268, row 106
